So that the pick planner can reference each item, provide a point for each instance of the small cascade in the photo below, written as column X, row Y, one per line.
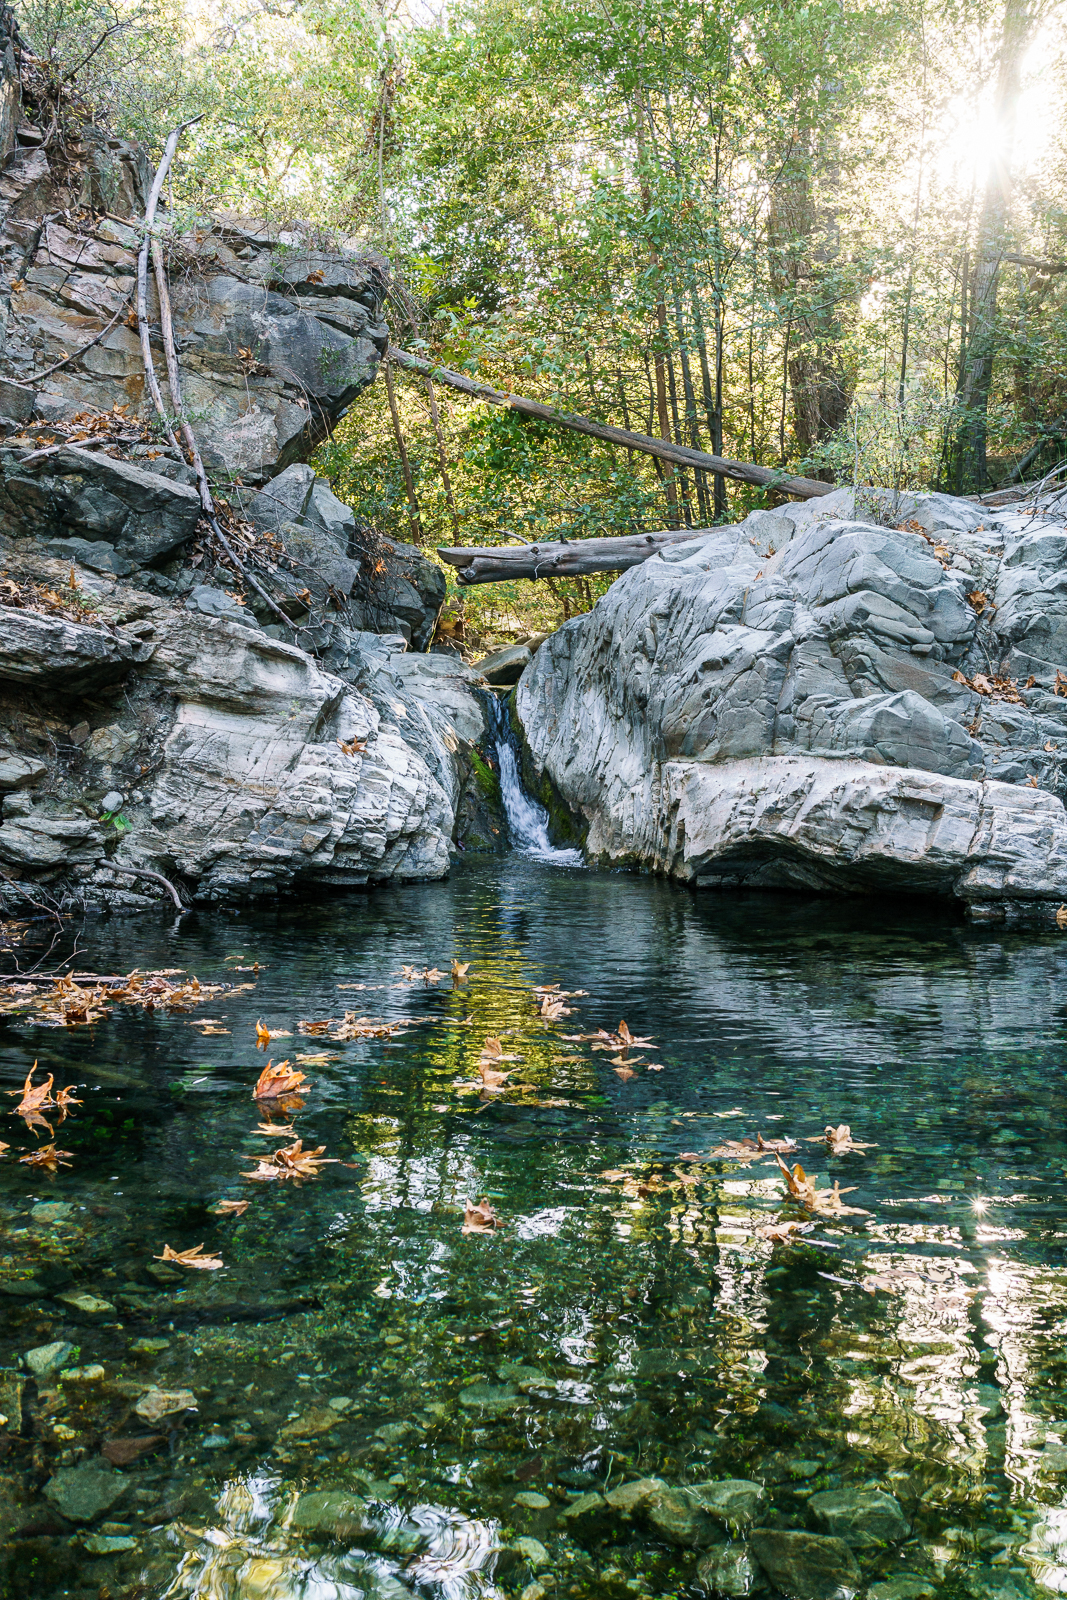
column 527, row 820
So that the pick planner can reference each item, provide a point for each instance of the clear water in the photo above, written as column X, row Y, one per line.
column 626, row 1319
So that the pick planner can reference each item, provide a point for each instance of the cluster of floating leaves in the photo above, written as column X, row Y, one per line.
column 70, row 1003
column 34, row 1101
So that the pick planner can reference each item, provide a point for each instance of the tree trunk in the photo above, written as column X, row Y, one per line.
column 405, row 464
column 442, row 456
column 977, row 374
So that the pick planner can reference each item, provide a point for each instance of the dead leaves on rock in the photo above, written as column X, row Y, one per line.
column 193, row 1257
column 993, row 687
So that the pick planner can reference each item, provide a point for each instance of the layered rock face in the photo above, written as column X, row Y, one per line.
column 143, row 735
column 862, row 692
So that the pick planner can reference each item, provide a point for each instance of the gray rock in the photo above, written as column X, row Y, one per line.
column 735, row 1500
column 730, row 1569
column 108, row 1544
column 89, row 1305
column 531, row 1551
column 334, row 1513
column 51, row 1211
column 81, row 1494
column 48, row 1358
column 505, row 667
column 680, row 1517
column 20, row 772
column 16, row 400
column 807, row 1566
column 100, row 499
column 47, row 652
column 864, row 1518
column 905, row 1586
column 96, row 554
column 583, row 1512
column 632, row 1497
column 217, row 603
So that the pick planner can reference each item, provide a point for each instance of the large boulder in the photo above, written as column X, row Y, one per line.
column 816, row 700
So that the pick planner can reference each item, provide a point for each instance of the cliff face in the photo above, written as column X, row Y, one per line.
column 156, row 713
column 859, row 693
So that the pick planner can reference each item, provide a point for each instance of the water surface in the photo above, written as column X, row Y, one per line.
column 628, row 1318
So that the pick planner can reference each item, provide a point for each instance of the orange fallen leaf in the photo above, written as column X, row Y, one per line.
column 194, row 1257
column 48, row 1157
column 33, row 1098
column 839, row 1140
column 274, row 1081
column 291, row 1162
column 262, row 1036
column 480, row 1218
column 460, row 970
column 231, row 1208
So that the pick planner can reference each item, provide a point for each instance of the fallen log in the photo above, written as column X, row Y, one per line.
column 678, row 454
column 572, row 558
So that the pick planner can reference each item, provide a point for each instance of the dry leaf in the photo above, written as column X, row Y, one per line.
column 231, row 1208
column 291, row 1162
column 194, row 1257
column 1061, row 917
column 32, row 1099
column 626, row 1073
column 460, row 970
column 352, row 747
column 480, row 1218
column 839, row 1140
column 274, row 1081
column 262, row 1036
column 493, row 1079
column 800, row 1186
column 623, row 1039
column 48, row 1157
column 275, row 1130
column 493, row 1051
column 782, row 1232
column 827, row 1202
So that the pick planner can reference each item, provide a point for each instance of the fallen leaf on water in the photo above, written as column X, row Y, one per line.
column 622, row 1039
column 208, row 1027
column 231, row 1208
column 4, row 1147
column 274, row 1081
column 421, row 975
column 784, row 1231
column 553, row 1007
column 827, row 1202
column 625, row 1061
column 460, row 970
column 193, row 1257
column 275, row 1130
column 493, row 1079
column 1061, row 917
column 48, row 1157
column 65, row 1097
column 839, row 1140
column 800, row 1186
column 690, row 1155
column 626, row 1073
column 291, row 1162
column 480, row 1218
column 493, row 1051
column 321, row 1060
column 751, row 1149
column 313, row 1028
column 654, row 1066
column 33, row 1098
column 262, row 1035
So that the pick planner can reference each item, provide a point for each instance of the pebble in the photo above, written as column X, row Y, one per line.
column 215, row 1441
column 82, row 1493
column 93, row 1373
column 90, row 1305
column 340, row 1402
column 51, row 1211
column 108, row 1544
column 48, row 1358
column 533, row 1501
column 531, row 1550
column 149, row 1347
column 164, row 1403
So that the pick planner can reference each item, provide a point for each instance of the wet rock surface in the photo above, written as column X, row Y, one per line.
column 807, row 1566
column 861, row 692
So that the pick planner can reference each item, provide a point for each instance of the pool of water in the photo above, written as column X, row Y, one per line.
column 366, row 1400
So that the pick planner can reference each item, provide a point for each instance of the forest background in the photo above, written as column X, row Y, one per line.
column 823, row 235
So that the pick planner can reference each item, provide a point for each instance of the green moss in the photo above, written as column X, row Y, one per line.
column 484, row 776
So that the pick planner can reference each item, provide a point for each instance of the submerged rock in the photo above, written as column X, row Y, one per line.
column 48, row 1358
column 807, row 1566
column 81, row 1494
column 333, row 1512
column 864, row 1518
column 730, row 1569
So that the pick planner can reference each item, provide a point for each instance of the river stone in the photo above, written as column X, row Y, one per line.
column 531, row 1500
column 108, row 1544
column 631, row 1497
column 505, row 667
column 807, row 1566
column 680, row 1517
column 531, row 1550
column 81, row 1494
column 51, row 1211
column 92, row 1373
column 586, row 1509
column 730, row 1569
column 316, row 1421
column 905, row 1586
column 735, row 1500
column 332, row 1512
column 90, row 1305
column 864, row 1518
column 48, row 1358
column 159, row 1403
column 498, row 1398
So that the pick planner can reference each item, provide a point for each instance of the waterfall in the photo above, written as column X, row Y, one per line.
column 527, row 820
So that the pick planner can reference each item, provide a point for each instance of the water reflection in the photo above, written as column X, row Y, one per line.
column 386, row 1406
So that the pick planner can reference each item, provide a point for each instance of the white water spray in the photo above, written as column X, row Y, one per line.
column 527, row 821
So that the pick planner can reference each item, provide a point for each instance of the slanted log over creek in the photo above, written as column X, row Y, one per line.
column 517, row 1300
